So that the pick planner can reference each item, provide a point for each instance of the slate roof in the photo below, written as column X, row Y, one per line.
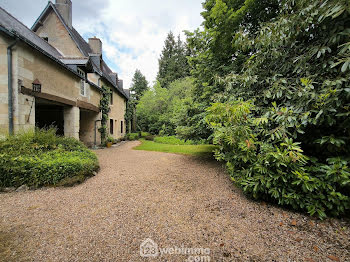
column 102, row 69
column 72, row 61
column 82, row 44
column 127, row 92
column 14, row 28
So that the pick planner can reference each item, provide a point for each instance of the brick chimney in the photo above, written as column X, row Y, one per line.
column 64, row 7
column 96, row 45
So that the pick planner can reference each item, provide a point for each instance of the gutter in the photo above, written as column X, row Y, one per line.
column 10, row 87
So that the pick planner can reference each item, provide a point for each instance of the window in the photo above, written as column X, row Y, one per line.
column 111, row 126
column 81, row 72
column 111, row 98
column 46, row 39
column 99, row 82
column 82, row 87
column 121, row 127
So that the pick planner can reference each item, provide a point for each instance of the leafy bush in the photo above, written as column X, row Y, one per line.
column 144, row 134
column 267, row 163
column 150, row 137
column 281, row 116
column 172, row 140
column 41, row 158
column 171, row 111
column 111, row 139
column 132, row 136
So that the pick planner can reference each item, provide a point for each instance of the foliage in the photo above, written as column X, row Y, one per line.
column 109, row 139
column 105, row 109
column 150, row 137
column 129, row 115
column 194, row 150
column 132, row 136
column 268, row 164
column 212, row 54
column 271, row 80
column 41, row 158
column 212, row 51
column 282, row 120
column 168, row 111
column 139, row 85
column 144, row 134
column 173, row 140
column 152, row 111
column 173, row 63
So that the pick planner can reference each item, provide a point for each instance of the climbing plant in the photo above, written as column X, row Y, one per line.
column 104, row 108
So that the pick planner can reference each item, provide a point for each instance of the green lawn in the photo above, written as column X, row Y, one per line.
column 194, row 150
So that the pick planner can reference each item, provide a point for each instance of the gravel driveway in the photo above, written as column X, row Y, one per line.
column 175, row 200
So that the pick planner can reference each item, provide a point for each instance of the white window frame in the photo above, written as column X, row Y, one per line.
column 82, row 87
column 81, row 72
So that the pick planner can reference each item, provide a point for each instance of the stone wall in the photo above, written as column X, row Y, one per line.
column 58, row 36
column 117, row 112
column 57, row 83
column 4, row 42
column 87, row 127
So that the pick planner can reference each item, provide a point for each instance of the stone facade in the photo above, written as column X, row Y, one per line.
column 58, row 86
column 117, row 115
column 4, row 42
column 66, row 99
column 58, row 36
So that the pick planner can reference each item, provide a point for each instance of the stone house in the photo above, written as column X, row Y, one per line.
column 51, row 76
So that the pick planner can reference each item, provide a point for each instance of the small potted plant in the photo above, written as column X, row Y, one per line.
column 109, row 141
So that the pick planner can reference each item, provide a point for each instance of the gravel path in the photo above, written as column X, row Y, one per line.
column 175, row 200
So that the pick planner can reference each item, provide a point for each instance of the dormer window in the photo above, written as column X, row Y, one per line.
column 81, row 72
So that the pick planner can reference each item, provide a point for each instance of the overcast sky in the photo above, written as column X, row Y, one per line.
column 132, row 31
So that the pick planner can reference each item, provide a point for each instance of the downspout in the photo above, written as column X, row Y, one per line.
column 10, row 89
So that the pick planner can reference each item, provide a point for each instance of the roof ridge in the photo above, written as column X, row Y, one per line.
column 34, row 34
column 16, row 19
column 82, row 45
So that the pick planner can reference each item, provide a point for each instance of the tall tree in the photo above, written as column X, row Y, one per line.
column 139, row 85
column 173, row 63
column 213, row 52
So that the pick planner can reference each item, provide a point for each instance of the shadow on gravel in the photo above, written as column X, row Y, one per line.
column 10, row 249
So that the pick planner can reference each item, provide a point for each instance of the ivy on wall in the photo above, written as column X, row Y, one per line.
column 105, row 109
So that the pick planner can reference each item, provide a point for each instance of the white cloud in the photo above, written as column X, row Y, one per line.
column 133, row 32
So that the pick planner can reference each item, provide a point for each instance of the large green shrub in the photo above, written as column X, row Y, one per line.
column 132, row 136
column 282, row 121
column 41, row 158
column 171, row 111
column 268, row 164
